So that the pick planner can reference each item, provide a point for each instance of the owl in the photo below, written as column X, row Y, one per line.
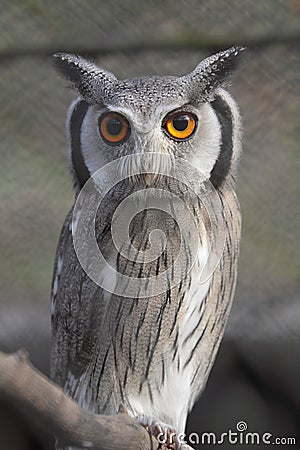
column 147, row 347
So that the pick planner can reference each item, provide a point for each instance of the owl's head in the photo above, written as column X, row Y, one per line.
column 192, row 117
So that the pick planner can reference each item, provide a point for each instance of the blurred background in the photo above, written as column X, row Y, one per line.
column 256, row 378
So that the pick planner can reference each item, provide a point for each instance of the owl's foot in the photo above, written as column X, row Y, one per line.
column 165, row 434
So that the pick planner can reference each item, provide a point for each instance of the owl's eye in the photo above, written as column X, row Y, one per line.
column 180, row 125
column 114, row 128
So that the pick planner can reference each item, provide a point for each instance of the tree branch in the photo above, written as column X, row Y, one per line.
column 44, row 403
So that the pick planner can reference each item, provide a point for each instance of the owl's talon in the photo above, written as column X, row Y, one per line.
column 122, row 409
column 165, row 434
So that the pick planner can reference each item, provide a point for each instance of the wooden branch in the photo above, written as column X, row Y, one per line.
column 44, row 403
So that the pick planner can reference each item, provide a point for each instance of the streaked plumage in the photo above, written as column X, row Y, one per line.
column 153, row 355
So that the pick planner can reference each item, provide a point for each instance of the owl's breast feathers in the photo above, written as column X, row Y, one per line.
column 151, row 354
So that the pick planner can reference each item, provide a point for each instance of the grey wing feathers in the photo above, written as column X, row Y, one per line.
column 74, row 316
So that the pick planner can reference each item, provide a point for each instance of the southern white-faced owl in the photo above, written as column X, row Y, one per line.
column 148, row 346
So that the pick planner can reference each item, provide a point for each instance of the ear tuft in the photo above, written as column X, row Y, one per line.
column 213, row 71
column 222, row 64
column 68, row 66
column 86, row 77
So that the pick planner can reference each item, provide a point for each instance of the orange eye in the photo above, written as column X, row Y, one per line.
column 180, row 125
column 114, row 128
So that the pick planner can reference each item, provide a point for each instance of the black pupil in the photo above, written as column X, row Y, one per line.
column 114, row 126
column 180, row 123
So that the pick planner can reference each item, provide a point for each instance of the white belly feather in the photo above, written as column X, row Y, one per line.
column 174, row 395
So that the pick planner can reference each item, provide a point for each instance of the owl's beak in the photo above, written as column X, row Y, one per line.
column 149, row 178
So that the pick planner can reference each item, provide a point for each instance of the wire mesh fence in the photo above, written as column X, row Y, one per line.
column 131, row 39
